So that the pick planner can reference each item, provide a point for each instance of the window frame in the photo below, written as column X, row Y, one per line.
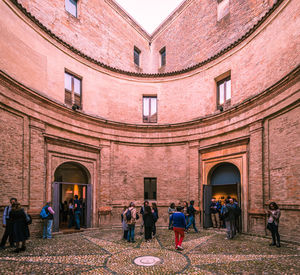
column 72, row 91
column 137, row 51
column 226, row 102
column 147, row 119
column 154, row 195
column 163, row 59
column 66, row 7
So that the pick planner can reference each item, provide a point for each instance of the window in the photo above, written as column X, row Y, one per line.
column 223, row 9
column 136, row 56
column 71, row 7
column 72, row 90
column 162, row 56
column 150, row 109
column 224, row 91
column 150, row 188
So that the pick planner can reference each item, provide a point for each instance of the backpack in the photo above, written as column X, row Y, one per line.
column 44, row 213
column 225, row 211
column 128, row 215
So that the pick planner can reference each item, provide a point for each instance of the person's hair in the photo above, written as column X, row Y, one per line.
column 227, row 201
column 146, row 202
column 147, row 209
column 154, row 205
column 172, row 205
column 131, row 204
column 274, row 205
column 13, row 199
column 228, row 197
column 185, row 203
column 76, row 196
column 15, row 206
column 179, row 208
column 192, row 202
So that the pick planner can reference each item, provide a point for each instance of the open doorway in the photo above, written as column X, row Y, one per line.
column 71, row 179
column 224, row 181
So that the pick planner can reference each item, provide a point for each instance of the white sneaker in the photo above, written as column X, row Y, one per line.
column 179, row 247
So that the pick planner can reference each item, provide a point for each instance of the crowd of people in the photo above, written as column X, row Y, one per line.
column 181, row 218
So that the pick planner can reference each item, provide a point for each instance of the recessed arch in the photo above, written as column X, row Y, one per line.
column 72, row 172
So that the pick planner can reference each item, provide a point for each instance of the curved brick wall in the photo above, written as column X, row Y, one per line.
column 259, row 133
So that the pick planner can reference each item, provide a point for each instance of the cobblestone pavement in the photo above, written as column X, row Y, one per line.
column 103, row 252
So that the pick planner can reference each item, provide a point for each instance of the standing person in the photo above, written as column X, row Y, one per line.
column 155, row 217
column 124, row 224
column 148, row 219
column 171, row 210
column 48, row 221
column 237, row 214
column 214, row 213
column 191, row 212
column 185, row 211
column 20, row 227
column 273, row 222
column 130, row 215
column 146, row 203
column 228, row 214
column 77, row 212
column 179, row 225
column 7, row 224
column 71, row 213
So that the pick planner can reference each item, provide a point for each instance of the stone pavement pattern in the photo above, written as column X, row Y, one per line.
column 103, row 252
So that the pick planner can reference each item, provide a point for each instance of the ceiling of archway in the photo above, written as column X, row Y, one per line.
column 149, row 14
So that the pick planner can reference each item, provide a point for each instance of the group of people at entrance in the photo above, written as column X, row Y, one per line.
column 72, row 212
column 129, row 217
column 15, row 222
column 226, row 214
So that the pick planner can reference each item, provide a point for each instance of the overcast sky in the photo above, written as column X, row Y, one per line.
column 149, row 13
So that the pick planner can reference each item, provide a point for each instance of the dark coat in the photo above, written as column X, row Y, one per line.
column 148, row 219
column 20, row 227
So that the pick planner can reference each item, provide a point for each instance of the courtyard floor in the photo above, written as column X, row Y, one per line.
column 103, row 252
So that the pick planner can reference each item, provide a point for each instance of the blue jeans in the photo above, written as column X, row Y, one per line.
column 47, row 229
column 77, row 219
column 130, row 235
column 192, row 222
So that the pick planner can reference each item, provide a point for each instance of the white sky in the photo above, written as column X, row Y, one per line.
column 149, row 13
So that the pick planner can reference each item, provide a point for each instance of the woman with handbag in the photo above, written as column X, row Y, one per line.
column 273, row 222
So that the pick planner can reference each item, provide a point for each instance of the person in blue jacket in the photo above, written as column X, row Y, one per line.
column 179, row 225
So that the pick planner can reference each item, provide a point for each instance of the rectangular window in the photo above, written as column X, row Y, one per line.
column 150, row 109
column 72, row 90
column 224, row 91
column 71, row 7
column 162, row 56
column 150, row 187
column 136, row 56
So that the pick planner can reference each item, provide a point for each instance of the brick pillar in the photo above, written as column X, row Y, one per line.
column 37, row 175
column 256, row 212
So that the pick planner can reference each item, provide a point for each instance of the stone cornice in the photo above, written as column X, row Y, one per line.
column 148, row 75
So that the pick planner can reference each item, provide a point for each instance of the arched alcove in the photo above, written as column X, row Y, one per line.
column 70, row 179
column 224, row 181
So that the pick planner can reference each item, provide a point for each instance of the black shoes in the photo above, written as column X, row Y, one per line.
column 272, row 244
column 23, row 248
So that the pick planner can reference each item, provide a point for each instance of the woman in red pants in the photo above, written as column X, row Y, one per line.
column 179, row 224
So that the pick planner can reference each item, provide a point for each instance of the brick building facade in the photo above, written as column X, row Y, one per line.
column 78, row 115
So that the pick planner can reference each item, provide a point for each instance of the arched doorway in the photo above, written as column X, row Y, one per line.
column 224, row 180
column 71, row 179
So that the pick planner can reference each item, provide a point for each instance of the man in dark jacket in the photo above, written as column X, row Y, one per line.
column 8, row 225
column 229, row 218
column 191, row 212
